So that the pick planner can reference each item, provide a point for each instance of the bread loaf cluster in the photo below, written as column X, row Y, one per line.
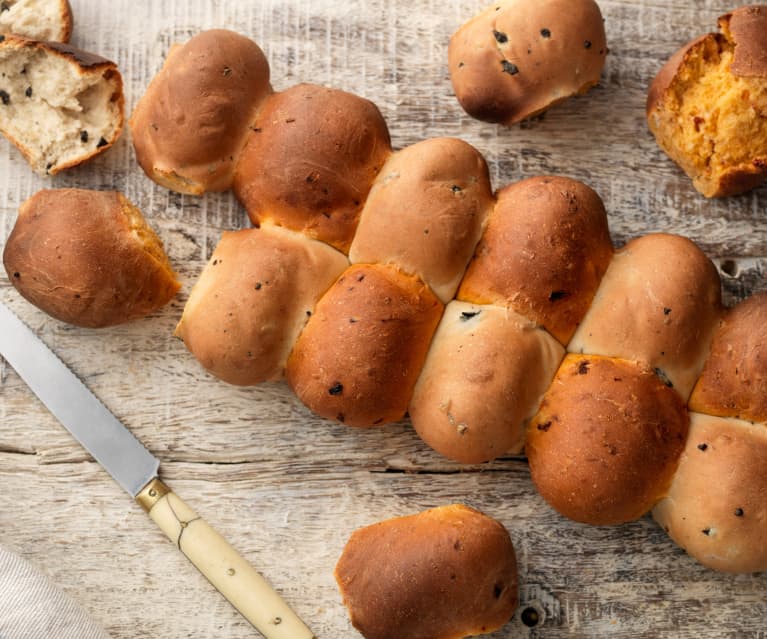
column 382, row 283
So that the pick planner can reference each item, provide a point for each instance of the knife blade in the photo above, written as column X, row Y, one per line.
column 135, row 469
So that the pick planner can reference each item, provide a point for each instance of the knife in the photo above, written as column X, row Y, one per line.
column 136, row 470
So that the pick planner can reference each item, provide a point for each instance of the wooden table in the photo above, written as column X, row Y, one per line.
column 285, row 487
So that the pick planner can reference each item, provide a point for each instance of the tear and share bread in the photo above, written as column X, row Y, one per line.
column 519, row 57
column 543, row 253
column 734, row 378
column 361, row 352
column 58, row 105
column 483, row 352
column 446, row 185
column 192, row 123
column 255, row 295
column 707, row 107
column 659, row 303
column 88, row 258
column 606, row 441
column 716, row 508
column 311, row 160
column 48, row 20
column 444, row 573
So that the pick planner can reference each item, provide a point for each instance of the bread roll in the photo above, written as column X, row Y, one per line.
column 192, row 123
column 716, row 508
column 360, row 355
column 543, row 253
column 734, row 379
column 87, row 258
column 444, row 573
column 49, row 20
column 483, row 379
column 706, row 106
column 659, row 304
column 446, row 185
column 60, row 106
column 518, row 58
column 311, row 160
column 605, row 444
column 255, row 295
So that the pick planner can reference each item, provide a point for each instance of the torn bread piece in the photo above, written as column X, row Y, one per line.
column 49, row 20
column 58, row 105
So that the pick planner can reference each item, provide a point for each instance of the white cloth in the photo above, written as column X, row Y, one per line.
column 32, row 607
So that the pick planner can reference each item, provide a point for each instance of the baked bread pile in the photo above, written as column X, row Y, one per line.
column 707, row 107
column 382, row 283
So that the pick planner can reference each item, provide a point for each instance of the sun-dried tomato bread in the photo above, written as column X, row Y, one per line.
column 47, row 20
column 517, row 58
column 444, row 573
column 88, row 258
column 60, row 106
column 707, row 106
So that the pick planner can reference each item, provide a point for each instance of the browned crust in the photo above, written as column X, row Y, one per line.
column 358, row 359
column 716, row 508
column 604, row 445
column 311, row 160
column 84, row 59
column 746, row 28
column 734, row 378
column 190, row 126
column 72, row 254
column 444, row 573
column 67, row 20
column 563, row 224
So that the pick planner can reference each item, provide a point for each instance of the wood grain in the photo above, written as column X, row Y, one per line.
column 286, row 488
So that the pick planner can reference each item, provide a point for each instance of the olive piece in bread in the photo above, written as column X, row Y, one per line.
column 60, row 106
column 88, row 258
column 519, row 57
column 49, row 20
column 444, row 573
column 707, row 105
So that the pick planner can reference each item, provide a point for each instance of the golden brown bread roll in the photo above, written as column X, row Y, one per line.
column 734, row 379
column 249, row 305
column 88, row 258
column 716, row 508
column 190, row 126
column 706, row 105
column 659, row 303
column 483, row 379
column 605, row 444
column 444, row 573
column 446, row 185
column 310, row 161
column 543, row 253
column 518, row 58
column 361, row 352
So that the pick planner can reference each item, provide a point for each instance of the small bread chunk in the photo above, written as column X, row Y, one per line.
column 483, row 352
column 734, row 379
column 310, row 161
column 446, row 185
column 444, row 573
column 519, row 57
column 605, row 444
column 707, row 107
column 543, row 253
column 58, row 105
column 190, row 126
column 49, row 20
column 659, row 303
column 716, row 508
column 255, row 295
column 88, row 258
column 359, row 357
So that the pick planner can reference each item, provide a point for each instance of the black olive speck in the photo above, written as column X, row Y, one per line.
column 501, row 37
column 456, row 188
column 509, row 67
column 4, row 7
column 544, row 427
column 227, row 71
column 498, row 590
column 557, row 295
column 17, row 275
column 545, row 33
column 28, row 92
column 102, row 142
column 666, row 311
column 706, row 531
column 467, row 315
column 83, row 136
column 703, row 447
column 738, row 512
column 587, row 44
column 5, row 97
column 336, row 389
column 258, row 286
column 583, row 367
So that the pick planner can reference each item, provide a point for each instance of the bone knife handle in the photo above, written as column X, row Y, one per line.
column 221, row 564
